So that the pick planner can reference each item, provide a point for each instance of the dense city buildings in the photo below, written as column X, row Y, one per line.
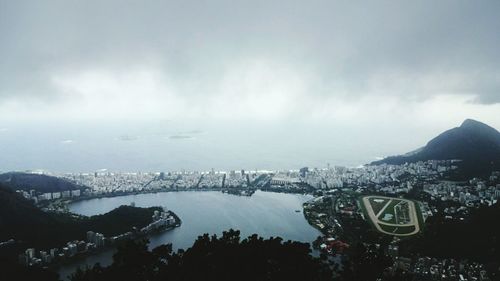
column 161, row 220
column 384, row 179
column 396, row 200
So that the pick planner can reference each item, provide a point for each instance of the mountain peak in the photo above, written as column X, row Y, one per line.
column 475, row 143
column 472, row 123
column 480, row 129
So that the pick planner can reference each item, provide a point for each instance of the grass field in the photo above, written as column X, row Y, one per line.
column 377, row 204
column 389, row 211
column 388, row 228
column 405, row 229
column 393, row 216
column 419, row 216
column 397, row 229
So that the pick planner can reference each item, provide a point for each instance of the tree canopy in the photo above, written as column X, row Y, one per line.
column 213, row 258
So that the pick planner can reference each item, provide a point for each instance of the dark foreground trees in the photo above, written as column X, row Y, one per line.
column 213, row 258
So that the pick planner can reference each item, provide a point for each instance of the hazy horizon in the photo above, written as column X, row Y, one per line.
column 166, row 146
column 195, row 85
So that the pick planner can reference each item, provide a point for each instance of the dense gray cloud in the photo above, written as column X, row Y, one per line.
column 129, row 84
column 413, row 50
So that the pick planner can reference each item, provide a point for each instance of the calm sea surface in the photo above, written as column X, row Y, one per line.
column 265, row 213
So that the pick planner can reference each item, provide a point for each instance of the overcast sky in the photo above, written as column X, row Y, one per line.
column 383, row 67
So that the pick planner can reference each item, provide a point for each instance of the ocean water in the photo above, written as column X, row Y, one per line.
column 174, row 146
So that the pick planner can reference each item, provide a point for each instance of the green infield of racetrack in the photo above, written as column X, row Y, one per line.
column 401, row 230
column 377, row 206
column 419, row 216
column 397, row 229
column 390, row 210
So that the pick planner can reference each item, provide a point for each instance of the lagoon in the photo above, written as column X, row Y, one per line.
column 265, row 213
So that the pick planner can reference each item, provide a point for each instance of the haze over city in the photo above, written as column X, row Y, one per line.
column 159, row 85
